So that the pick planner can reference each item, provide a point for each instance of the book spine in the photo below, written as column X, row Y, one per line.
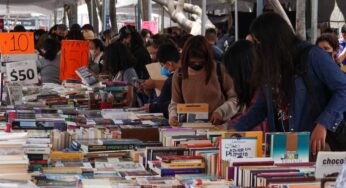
column 33, row 157
column 37, row 150
column 38, row 141
column 65, row 155
column 172, row 172
column 40, row 162
column 94, row 148
column 186, row 165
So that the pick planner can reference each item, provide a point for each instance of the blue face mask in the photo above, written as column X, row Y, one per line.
column 165, row 72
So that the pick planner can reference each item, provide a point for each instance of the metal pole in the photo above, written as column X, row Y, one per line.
column 139, row 19
column 259, row 9
column 92, row 12
column 204, row 16
column 163, row 20
column 55, row 16
column 314, row 20
column 150, row 10
column 236, row 20
column 105, row 5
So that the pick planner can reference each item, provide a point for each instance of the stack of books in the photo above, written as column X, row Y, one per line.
column 172, row 165
column 38, row 148
column 14, row 162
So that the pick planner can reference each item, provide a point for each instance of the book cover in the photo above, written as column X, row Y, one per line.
column 86, row 76
column 243, row 147
column 192, row 113
column 290, row 147
column 252, row 134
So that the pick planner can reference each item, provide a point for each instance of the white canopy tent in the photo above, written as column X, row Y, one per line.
column 45, row 7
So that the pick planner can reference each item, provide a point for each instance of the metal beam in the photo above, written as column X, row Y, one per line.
column 150, row 10
column 236, row 20
column 204, row 16
column 139, row 19
column 92, row 12
column 259, row 9
column 105, row 6
column 314, row 20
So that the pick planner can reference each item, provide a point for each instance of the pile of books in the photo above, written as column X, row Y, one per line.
column 38, row 148
column 172, row 165
column 14, row 162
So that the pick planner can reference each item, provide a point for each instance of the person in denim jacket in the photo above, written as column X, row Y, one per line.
column 285, row 99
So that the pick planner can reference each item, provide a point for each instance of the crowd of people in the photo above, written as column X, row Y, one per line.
column 272, row 81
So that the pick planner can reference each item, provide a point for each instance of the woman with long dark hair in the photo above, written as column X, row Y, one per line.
column 302, row 89
column 198, row 82
column 239, row 62
column 118, row 64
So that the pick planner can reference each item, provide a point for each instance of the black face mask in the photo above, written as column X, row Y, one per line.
column 196, row 66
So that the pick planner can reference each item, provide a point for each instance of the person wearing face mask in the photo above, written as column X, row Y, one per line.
column 202, row 80
column 96, row 55
column 168, row 56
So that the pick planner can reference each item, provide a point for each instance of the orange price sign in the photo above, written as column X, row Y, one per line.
column 17, row 43
column 74, row 54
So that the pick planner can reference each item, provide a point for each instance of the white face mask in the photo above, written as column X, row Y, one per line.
column 92, row 53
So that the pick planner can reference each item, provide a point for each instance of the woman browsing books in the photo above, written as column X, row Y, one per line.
column 198, row 81
column 118, row 64
column 302, row 89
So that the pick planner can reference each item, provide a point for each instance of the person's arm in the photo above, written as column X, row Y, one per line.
column 176, row 98
column 129, row 77
column 153, row 84
column 342, row 56
column 164, row 100
column 256, row 114
column 230, row 107
column 330, row 74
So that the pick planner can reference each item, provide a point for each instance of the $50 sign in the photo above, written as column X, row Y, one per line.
column 22, row 71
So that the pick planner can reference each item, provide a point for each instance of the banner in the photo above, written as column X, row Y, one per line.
column 17, row 43
column 74, row 54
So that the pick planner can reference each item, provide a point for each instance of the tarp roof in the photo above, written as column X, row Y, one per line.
column 31, row 6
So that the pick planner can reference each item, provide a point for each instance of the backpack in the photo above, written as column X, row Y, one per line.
column 337, row 139
column 219, row 76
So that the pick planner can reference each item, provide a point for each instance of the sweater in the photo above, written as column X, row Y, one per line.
column 195, row 90
column 49, row 70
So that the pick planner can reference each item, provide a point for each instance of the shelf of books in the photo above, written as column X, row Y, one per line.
column 72, row 135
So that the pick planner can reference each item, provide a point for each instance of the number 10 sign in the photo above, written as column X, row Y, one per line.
column 23, row 71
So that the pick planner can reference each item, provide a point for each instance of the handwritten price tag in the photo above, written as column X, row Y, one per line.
column 74, row 54
column 17, row 43
column 23, row 71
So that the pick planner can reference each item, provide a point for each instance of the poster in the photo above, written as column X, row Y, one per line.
column 17, row 43
column 24, row 72
column 74, row 54
column 238, row 148
column 151, row 26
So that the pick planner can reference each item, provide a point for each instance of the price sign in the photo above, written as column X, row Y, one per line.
column 238, row 148
column 22, row 71
column 17, row 43
column 74, row 54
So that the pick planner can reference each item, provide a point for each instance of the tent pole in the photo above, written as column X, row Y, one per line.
column 204, row 16
column 236, row 20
